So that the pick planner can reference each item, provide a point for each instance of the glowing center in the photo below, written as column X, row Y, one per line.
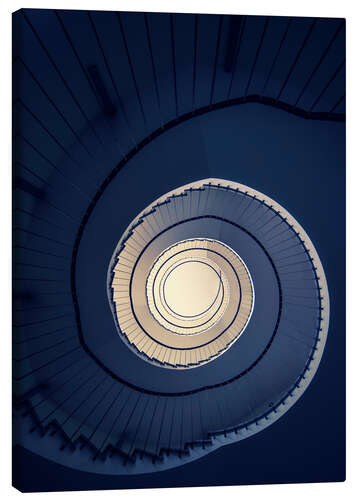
column 191, row 288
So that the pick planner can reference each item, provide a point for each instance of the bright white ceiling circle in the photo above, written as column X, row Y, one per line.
column 191, row 288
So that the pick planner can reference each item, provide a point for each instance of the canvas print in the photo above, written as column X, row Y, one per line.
column 178, row 250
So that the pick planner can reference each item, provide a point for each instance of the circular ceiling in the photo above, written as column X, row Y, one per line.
column 191, row 287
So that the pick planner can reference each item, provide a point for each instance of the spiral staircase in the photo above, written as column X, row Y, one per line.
column 113, row 373
column 90, row 410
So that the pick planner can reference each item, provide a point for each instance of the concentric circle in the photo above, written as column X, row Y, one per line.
column 187, row 307
column 187, row 290
column 191, row 288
